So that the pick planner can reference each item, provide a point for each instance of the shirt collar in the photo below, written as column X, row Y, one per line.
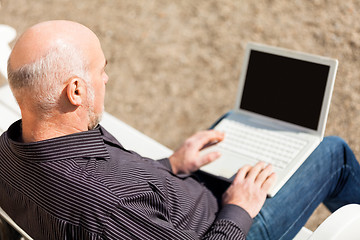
column 83, row 144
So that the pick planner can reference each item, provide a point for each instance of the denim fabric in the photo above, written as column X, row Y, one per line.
column 330, row 175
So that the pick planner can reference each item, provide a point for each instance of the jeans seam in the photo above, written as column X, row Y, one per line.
column 263, row 223
column 352, row 174
column 349, row 168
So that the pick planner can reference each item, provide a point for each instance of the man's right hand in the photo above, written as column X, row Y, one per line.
column 187, row 158
column 250, row 187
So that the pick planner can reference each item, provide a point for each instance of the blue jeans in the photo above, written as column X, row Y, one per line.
column 330, row 175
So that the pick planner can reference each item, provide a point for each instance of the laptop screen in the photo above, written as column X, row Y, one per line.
column 284, row 88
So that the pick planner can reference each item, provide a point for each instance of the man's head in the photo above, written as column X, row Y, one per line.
column 56, row 69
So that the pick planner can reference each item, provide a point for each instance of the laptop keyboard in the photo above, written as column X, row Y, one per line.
column 259, row 144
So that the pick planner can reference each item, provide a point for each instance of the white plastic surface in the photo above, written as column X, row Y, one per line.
column 304, row 234
column 7, row 34
column 13, row 224
column 342, row 224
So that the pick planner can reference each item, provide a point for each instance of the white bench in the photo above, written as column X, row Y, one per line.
column 343, row 224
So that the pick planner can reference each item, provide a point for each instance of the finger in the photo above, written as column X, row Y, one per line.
column 205, row 137
column 208, row 158
column 209, row 144
column 254, row 172
column 242, row 173
column 269, row 182
column 264, row 174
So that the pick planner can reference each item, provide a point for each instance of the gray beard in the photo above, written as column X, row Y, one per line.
column 94, row 119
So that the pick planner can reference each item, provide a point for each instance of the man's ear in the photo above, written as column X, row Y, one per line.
column 75, row 91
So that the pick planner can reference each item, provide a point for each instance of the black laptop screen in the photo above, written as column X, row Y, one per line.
column 284, row 88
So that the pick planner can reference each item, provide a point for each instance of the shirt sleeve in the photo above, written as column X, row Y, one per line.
column 141, row 222
column 232, row 222
column 130, row 223
column 236, row 215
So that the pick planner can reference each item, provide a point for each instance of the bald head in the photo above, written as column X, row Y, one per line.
column 40, row 38
column 56, row 72
column 44, row 58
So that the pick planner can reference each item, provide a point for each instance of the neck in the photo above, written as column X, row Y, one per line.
column 34, row 129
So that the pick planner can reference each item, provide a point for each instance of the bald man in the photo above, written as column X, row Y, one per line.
column 63, row 176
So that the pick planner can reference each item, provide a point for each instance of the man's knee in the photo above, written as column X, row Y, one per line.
column 332, row 148
column 337, row 145
column 335, row 141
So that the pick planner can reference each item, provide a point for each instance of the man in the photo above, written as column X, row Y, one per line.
column 63, row 176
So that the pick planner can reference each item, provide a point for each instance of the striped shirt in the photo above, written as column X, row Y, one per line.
column 87, row 186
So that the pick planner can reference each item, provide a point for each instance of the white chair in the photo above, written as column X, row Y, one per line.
column 343, row 224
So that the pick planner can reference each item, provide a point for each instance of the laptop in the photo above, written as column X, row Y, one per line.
column 280, row 113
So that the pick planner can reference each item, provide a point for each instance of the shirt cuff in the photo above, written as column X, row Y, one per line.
column 166, row 163
column 238, row 215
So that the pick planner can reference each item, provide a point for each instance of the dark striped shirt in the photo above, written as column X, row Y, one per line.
column 87, row 186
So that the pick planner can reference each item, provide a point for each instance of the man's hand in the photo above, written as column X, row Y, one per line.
column 187, row 158
column 250, row 187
